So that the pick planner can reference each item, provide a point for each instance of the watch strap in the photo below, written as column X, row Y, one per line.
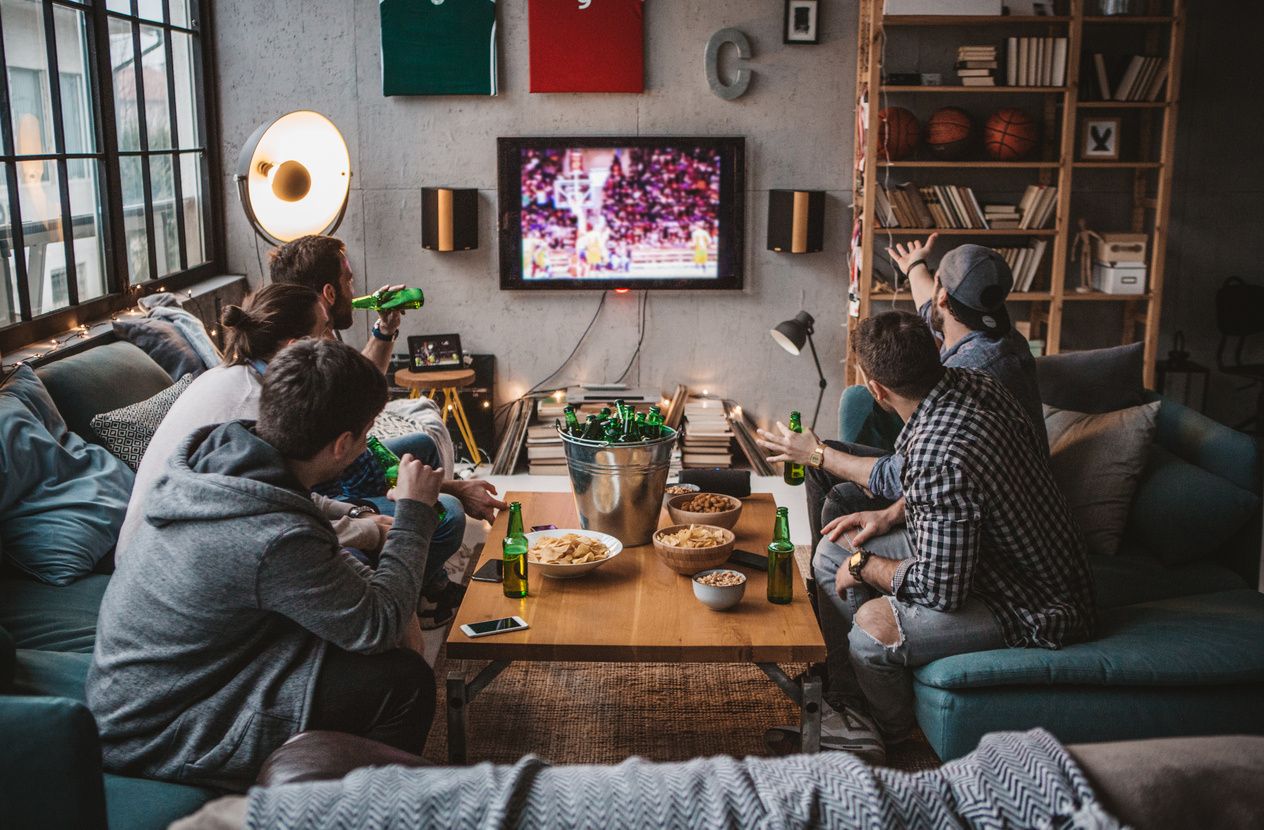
column 817, row 458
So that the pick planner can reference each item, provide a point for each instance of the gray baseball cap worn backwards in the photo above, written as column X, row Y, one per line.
column 978, row 282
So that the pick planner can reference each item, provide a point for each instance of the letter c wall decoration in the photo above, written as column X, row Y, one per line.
column 741, row 83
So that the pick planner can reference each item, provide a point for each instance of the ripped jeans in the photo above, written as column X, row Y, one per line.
column 870, row 675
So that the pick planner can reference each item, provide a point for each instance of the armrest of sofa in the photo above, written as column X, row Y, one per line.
column 1218, row 449
column 50, row 765
column 8, row 659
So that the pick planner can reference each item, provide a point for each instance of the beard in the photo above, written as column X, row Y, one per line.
column 936, row 316
column 340, row 315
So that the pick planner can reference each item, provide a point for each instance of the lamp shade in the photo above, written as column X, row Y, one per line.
column 293, row 177
column 792, row 335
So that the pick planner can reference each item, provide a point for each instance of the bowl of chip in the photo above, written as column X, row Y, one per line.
column 719, row 588
column 678, row 489
column 690, row 548
column 705, row 508
column 566, row 554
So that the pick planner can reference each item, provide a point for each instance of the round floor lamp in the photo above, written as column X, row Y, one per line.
column 293, row 177
column 791, row 335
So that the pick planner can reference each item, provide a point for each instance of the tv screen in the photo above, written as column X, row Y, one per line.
column 586, row 213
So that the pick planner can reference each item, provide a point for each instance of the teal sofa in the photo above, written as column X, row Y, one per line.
column 50, row 755
column 1179, row 648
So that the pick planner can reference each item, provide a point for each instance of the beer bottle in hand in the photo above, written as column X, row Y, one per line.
column 514, row 551
column 781, row 560
column 389, row 462
column 795, row 473
column 387, row 300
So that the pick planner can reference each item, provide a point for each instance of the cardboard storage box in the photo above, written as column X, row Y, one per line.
column 1120, row 247
column 1127, row 278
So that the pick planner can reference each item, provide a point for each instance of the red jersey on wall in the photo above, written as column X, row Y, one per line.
column 587, row 45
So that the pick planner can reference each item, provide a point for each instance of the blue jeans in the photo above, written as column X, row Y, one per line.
column 873, row 676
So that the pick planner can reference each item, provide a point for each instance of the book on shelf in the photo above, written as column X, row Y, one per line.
column 708, row 437
column 989, row 8
column 1037, row 206
column 1036, row 61
column 1024, row 263
column 933, row 206
column 1140, row 77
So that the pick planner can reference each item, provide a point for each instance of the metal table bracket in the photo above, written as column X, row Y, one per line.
column 808, row 699
column 460, row 695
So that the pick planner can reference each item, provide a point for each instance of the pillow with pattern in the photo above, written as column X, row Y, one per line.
column 127, row 432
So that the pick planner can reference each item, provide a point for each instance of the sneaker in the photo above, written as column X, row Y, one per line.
column 846, row 729
column 439, row 610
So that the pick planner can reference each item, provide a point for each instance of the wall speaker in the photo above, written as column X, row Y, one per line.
column 449, row 219
column 796, row 221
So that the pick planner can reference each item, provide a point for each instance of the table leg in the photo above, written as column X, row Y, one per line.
column 414, row 393
column 460, row 695
column 810, row 723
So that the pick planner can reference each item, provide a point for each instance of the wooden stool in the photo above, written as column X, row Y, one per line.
column 449, row 381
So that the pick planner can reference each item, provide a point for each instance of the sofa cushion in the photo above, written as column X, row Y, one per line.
column 1181, row 512
column 143, row 804
column 163, row 342
column 127, row 432
column 62, row 500
column 1097, row 461
column 52, row 673
column 1209, row 639
column 1134, row 576
column 1101, row 380
column 103, row 378
column 52, row 618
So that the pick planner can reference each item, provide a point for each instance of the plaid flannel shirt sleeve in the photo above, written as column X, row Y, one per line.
column 946, row 528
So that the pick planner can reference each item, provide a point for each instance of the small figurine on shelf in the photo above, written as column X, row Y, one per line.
column 1082, row 248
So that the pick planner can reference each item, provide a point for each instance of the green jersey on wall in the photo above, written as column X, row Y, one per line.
column 438, row 47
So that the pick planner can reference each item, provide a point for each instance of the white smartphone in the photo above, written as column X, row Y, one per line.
column 488, row 627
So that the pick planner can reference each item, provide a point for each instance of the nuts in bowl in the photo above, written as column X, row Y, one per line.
column 689, row 548
column 705, row 508
column 719, row 589
column 678, row 490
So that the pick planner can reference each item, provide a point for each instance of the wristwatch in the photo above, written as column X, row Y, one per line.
column 817, row 458
column 362, row 510
column 856, row 563
column 381, row 335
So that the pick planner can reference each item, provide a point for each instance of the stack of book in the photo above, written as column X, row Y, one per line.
column 1036, row 61
column 1002, row 217
column 1037, row 206
column 976, row 65
column 1024, row 262
column 708, row 438
column 1141, row 78
column 934, row 206
column 545, row 454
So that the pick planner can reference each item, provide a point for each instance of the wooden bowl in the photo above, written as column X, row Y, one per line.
column 689, row 561
column 727, row 519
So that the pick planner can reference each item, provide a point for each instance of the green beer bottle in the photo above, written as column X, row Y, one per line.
column 592, row 429
column 390, row 468
column 781, row 560
column 605, row 414
column 655, row 421
column 514, row 550
column 610, row 431
column 572, row 420
column 795, row 473
column 621, row 411
column 386, row 300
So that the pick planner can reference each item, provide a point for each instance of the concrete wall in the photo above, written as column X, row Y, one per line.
column 797, row 119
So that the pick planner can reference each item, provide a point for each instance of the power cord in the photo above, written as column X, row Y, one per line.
column 640, row 338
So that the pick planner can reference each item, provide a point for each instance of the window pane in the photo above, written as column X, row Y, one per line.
column 9, row 306
column 86, row 200
column 180, row 15
column 123, row 6
column 166, row 216
column 27, row 57
column 130, row 173
column 154, row 61
column 150, row 9
column 73, row 69
column 191, row 185
column 123, row 71
column 40, row 200
column 186, row 94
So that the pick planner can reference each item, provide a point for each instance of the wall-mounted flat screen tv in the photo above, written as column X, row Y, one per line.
column 584, row 213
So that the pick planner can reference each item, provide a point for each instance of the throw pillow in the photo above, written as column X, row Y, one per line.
column 127, row 432
column 62, row 500
column 163, row 342
column 1101, row 380
column 1183, row 513
column 1097, row 461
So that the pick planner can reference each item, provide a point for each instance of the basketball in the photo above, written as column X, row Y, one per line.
column 949, row 133
column 897, row 133
column 1010, row 134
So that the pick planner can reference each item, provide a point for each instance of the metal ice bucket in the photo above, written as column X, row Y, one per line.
column 619, row 487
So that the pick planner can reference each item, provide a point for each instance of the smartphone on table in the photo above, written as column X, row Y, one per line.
column 493, row 570
column 750, row 560
column 488, row 627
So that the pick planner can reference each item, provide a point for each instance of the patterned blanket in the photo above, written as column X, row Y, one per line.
column 1013, row 780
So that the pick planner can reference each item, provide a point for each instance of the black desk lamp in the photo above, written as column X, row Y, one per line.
column 791, row 335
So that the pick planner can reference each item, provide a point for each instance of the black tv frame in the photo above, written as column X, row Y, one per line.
column 732, row 214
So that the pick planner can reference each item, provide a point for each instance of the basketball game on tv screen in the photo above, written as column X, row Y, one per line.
column 627, row 213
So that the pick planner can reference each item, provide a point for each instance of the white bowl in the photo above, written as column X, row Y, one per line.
column 557, row 571
column 719, row 597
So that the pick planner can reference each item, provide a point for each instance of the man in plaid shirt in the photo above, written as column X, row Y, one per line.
column 989, row 557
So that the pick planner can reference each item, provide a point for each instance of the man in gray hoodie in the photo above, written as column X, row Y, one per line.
column 237, row 621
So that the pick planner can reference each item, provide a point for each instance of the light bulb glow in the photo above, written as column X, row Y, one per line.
column 299, row 176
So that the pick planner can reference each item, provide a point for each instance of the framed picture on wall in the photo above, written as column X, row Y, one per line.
column 1100, row 139
column 803, row 22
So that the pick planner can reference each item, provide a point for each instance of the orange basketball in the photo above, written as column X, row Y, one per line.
column 948, row 133
column 1010, row 134
column 897, row 133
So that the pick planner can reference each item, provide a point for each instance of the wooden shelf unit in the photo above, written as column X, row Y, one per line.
column 1152, row 180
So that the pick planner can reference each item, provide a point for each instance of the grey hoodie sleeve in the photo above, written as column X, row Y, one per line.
column 305, row 577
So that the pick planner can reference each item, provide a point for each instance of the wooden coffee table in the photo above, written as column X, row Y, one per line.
column 634, row 609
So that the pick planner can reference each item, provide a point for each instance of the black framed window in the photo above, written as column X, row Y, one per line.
column 106, row 157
